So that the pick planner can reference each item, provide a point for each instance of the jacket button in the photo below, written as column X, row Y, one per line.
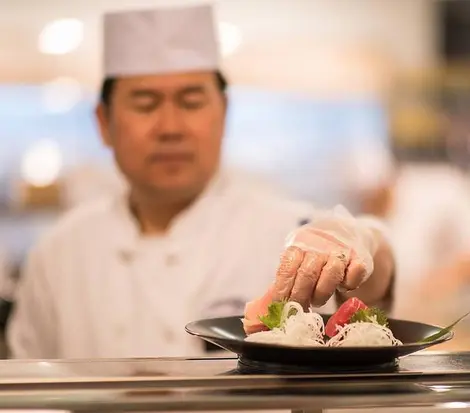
column 125, row 256
column 171, row 260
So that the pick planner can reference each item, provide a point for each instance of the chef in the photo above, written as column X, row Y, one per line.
column 122, row 275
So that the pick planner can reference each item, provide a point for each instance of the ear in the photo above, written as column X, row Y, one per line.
column 102, row 117
column 226, row 102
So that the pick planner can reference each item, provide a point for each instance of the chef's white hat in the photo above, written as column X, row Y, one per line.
column 165, row 40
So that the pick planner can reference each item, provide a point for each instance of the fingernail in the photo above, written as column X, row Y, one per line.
column 345, row 290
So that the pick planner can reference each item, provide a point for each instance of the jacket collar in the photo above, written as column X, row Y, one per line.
column 126, row 229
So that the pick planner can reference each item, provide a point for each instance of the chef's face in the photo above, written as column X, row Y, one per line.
column 165, row 130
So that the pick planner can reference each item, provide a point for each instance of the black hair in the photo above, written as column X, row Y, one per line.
column 108, row 86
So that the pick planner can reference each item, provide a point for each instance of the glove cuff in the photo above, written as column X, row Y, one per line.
column 372, row 232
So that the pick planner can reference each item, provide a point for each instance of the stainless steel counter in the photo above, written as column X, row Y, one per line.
column 427, row 379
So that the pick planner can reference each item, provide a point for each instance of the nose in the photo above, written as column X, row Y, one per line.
column 170, row 129
column 170, row 137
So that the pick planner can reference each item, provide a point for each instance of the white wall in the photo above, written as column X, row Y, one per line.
column 309, row 45
column 335, row 45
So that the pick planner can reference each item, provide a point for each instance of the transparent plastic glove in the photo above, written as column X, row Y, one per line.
column 333, row 252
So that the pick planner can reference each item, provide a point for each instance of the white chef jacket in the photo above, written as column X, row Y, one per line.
column 94, row 287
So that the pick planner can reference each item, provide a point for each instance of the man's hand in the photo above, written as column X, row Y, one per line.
column 335, row 252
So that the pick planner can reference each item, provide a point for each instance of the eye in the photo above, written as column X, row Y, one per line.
column 145, row 102
column 192, row 100
column 145, row 108
column 193, row 104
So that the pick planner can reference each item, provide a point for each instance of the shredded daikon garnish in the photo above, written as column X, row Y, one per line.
column 363, row 334
column 298, row 328
column 301, row 328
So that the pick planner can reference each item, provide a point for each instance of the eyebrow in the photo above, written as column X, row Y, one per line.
column 138, row 93
column 192, row 89
column 153, row 93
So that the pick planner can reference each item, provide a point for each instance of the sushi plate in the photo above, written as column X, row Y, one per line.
column 228, row 333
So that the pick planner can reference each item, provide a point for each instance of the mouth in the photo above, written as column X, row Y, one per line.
column 173, row 157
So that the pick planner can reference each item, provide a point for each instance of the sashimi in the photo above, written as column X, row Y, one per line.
column 343, row 315
column 290, row 325
column 256, row 309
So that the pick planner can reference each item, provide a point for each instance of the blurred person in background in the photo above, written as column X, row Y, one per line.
column 7, row 282
column 427, row 210
column 7, row 288
column 121, row 277
column 430, row 216
column 436, row 201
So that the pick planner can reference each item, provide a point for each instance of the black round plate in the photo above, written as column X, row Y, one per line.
column 228, row 333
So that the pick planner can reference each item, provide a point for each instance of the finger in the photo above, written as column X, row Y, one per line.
column 356, row 274
column 331, row 276
column 291, row 260
column 307, row 278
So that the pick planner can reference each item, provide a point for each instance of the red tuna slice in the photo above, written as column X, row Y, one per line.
column 343, row 315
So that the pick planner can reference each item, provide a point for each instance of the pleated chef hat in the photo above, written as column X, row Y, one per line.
column 165, row 40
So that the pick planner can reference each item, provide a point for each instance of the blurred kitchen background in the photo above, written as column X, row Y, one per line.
column 360, row 102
